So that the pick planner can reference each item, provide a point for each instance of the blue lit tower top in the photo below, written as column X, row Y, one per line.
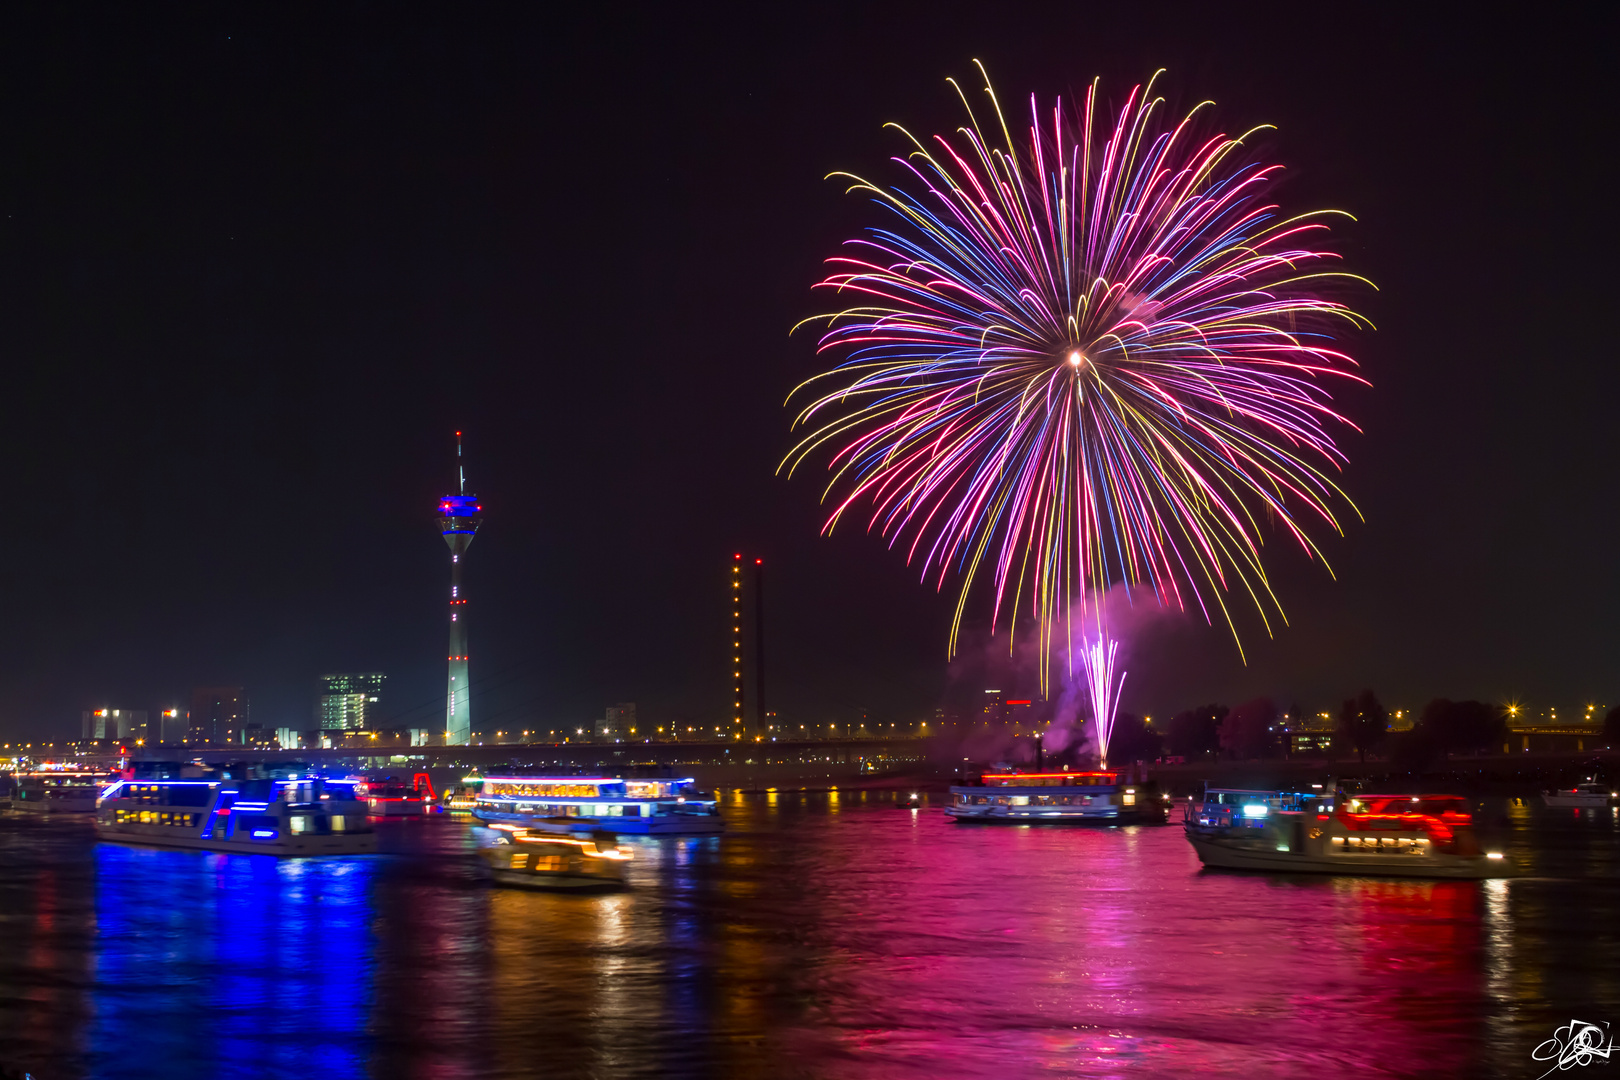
column 458, row 520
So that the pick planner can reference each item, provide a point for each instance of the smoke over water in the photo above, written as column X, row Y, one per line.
column 984, row 662
column 1082, row 685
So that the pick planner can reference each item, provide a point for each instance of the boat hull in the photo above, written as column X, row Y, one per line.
column 1577, row 802
column 1224, row 854
column 1002, row 815
column 54, row 806
column 545, row 881
column 412, row 808
column 303, row 846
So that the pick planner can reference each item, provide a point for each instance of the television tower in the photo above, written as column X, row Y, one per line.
column 458, row 520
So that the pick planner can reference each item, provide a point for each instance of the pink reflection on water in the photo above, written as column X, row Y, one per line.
column 967, row 950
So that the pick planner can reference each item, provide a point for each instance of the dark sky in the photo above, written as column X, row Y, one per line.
column 257, row 265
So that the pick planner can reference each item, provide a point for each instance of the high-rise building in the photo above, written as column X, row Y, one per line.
column 458, row 521
column 748, row 714
column 736, row 645
column 173, row 727
column 218, row 715
column 349, row 702
column 125, row 724
column 619, row 723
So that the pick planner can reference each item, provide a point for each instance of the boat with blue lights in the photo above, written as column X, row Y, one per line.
column 643, row 807
column 1055, row 798
column 1321, row 832
column 293, row 815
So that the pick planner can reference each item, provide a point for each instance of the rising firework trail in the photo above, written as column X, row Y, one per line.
column 1091, row 355
column 1102, row 688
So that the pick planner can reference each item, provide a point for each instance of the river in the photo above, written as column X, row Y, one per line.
column 824, row 935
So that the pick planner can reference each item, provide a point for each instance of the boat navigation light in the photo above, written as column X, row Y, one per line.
column 1493, row 854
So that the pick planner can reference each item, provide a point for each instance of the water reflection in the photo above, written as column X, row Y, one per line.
column 822, row 935
column 221, row 965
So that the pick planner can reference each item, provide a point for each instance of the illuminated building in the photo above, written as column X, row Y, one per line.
column 736, row 645
column 113, row 724
column 173, row 727
column 458, row 520
column 999, row 710
column 218, row 715
column 348, row 702
column 619, row 722
column 739, row 725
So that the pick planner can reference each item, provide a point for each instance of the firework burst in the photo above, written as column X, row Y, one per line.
column 1092, row 356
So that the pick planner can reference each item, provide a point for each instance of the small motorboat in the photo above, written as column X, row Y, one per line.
column 553, row 857
column 1583, row 795
column 1420, row 836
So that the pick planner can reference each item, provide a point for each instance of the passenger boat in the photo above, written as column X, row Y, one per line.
column 1059, row 798
column 57, row 791
column 261, row 816
column 1588, row 794
column 568, row 859
column 389, row 796
column 654, row 807
column 462, row 797
column 1423, row 836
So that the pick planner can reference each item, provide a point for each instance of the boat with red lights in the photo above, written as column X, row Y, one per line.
column 1421, row 836
column 554, row 857
column 293, row 815
column 1055, row 798
column 389, row 796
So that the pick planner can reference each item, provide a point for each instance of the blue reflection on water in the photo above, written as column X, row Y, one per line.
column 231, row 965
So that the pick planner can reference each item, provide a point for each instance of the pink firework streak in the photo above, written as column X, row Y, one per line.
column 1090, row 356
column 1097, row 666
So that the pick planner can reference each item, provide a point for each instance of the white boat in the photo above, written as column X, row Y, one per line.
column 261, row 816
column 57, row 791
column 1586, row 794
column 1422, row 836
column 567, row 859
column 462, row 797
column 656, row 807
column 1060, row 798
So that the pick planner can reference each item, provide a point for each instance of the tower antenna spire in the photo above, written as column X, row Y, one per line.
column 459, row 518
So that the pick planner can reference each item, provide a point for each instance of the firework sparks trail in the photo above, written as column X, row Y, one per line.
column 1093, row 355
column 1097, row 667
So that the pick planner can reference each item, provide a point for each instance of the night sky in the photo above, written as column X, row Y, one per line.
column 257, row 267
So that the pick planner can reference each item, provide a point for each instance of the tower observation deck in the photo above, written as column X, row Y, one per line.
column 458, row 520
